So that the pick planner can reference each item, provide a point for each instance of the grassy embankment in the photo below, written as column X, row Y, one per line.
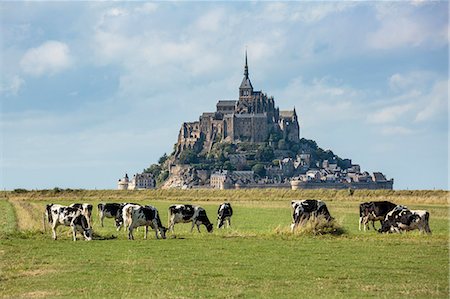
column 258, row 257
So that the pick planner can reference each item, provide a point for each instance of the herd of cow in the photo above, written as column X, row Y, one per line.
column 393, row 218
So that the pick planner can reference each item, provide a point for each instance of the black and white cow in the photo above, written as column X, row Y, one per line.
column 144, row 216
column 124, row 217
column 111, row 210
column 304, row 209
column 86, row 210
column 403, row 219
column 189, row 213
column 69, row 216
column 373, row 211
column 224, row 213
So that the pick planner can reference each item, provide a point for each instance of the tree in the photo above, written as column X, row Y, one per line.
column 188, row 157
column 259, row 169
column 264, row 154
column 163, row 176
column 228, row 166
column 154, row 169
column 162, row 159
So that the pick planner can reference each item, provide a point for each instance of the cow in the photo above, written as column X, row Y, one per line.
column 224, row 213
column 86, row 210
column 403, row 219
column 111, row 210
column 189, row 213
column 69, row 216
column 304, row 209
column 373, row 211
column 144, row 216
column 126, row 221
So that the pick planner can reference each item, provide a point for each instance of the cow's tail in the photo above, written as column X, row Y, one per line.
column 169, row 216
column 48, row 211
column 100, row 208
column 427, row 223
column 128, row 215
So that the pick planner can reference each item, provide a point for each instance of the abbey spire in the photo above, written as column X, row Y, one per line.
column 246, row 88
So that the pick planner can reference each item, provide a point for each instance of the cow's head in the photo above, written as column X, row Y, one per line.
column 298, row 212
column 385, row 226
column 82, row 221
column 118, row 222
column 220, row 222
column 163, row 231
column 209, row 227
column 88, row 234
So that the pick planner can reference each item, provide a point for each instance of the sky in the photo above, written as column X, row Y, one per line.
column 90, row 91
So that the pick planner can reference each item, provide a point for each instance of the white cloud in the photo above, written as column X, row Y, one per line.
column 389, row 114
column 395, row 131
column 49, row 58
column 211, row 21
column 411, row 80
column 435, row 103
column 401, row 26
column 147, row 8
column 12, row 86
column 116, row 12
column 304, row 12
column 321, row 10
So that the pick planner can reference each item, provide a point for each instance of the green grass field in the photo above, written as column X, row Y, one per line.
column 257, row 258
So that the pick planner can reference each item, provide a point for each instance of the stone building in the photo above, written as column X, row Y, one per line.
column 251, row 118
column 139, row 181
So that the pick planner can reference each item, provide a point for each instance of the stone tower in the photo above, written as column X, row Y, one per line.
column 246, row 88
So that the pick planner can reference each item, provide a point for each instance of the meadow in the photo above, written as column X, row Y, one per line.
column 257, row 257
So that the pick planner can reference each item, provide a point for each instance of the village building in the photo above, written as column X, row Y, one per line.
column 138, row 182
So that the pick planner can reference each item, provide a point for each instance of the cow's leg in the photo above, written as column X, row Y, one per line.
column 427, row 228
column 130, row 232
column 373, row 225
column 54, row 230
column 192, row 227
column 156, row 228
column 229, row 222
column 101, row 218
column 198, row 227
column 303, row 219
column 293, row 226
column 171, row 224
column 146, row 232
column 364, row 222
column 74, row 232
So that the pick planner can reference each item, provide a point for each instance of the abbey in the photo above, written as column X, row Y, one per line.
column 251, row 118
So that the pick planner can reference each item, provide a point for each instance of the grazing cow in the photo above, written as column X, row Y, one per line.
column 111, row 210
column 373, row 211
column 403, row 219
column 304, row 209
column 86, row 210
column 144, row 216
column 224, row 213
column 189, row 213
column 69, row 216
column 126, row 220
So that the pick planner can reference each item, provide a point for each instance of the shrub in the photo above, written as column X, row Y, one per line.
column 319, row 226
column 20, row 190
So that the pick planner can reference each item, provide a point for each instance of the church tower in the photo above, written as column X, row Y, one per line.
column 246, row 88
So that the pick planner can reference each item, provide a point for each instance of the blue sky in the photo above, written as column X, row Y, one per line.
column 91, row 90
